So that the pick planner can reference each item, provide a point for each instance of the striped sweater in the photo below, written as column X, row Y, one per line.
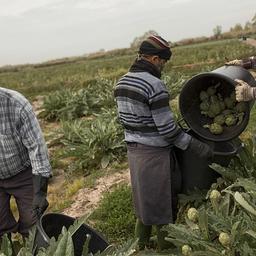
column 144, row 111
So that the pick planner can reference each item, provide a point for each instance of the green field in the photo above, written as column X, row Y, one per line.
column 79, row 121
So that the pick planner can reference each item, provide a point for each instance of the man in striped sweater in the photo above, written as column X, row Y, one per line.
column 244, row 92
column 151, row 133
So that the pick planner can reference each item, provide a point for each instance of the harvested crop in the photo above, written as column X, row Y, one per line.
column 204, row 106
column 219, row 119
column 223, row 111
column 230, row 120
column 211, row 90
column 214, row 128
column 203, row 95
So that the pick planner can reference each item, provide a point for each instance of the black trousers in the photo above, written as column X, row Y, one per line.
column 20, row 187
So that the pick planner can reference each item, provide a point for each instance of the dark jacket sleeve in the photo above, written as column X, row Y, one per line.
column 249, row 63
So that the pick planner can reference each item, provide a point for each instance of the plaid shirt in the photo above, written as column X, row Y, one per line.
column 21, row 140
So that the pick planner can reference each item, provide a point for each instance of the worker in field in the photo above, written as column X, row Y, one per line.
column 151, row 133
column 244, row 92
column 24, row 164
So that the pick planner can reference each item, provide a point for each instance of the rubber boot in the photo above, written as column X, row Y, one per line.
column 142, row 232
column 162, row 244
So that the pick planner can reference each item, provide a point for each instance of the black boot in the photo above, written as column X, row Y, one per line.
column 142, row 232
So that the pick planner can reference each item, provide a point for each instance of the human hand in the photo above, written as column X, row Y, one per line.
column 201, row 149
column 39, row 205
column 234, row 63
column 244, row 92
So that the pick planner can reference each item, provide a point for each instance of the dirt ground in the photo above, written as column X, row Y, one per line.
column 87, row 199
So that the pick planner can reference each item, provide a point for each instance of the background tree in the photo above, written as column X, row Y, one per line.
column 248, row 25
column 217, row 31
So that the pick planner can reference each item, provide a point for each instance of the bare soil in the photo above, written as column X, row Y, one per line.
column 87, row 199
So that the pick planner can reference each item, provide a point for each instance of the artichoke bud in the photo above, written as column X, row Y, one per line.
column 204, row 106
column 211, row 90
column 203, row 95
column 224, row 239
column 214, row 99
column 215, row 196
column 219, row 119
column 186, row 250
column 230, row 120
column 192, row 214
column 229, row 102
column 216, row 128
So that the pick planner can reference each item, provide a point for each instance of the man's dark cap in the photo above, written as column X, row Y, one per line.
column 156, row 45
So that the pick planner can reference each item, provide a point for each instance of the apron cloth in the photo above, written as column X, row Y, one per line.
column 150, row 170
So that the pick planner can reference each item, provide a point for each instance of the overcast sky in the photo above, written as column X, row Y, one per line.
column 33, row 31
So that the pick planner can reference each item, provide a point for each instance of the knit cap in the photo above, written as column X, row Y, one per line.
column 156, row 45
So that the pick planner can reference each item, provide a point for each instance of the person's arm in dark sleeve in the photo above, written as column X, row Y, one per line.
column 247, row 63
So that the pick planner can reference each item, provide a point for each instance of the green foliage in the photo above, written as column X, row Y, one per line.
column 94, row 143
column 115, row 216
column 226, row 226
column 84, row 88
column 70, row 104
column 5, row 246
column 64, row 246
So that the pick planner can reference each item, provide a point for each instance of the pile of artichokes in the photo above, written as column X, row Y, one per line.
column 222, row 111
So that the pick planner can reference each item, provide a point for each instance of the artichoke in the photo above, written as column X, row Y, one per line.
column 214, row 99
column 222, row 105
column 214, row 128
column 224, row 239
column 203, row 95
column 192, row 214
column 204, row 106
column 219, row 119
column 211, row 90
column 230, row 120
column 229, row 103
column 215, row 195
column 214, row 109
column 186, row 250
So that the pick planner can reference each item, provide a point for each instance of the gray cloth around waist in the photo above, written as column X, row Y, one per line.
column 150, row 169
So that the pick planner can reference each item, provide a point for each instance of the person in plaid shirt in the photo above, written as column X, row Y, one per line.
column 24, row 164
